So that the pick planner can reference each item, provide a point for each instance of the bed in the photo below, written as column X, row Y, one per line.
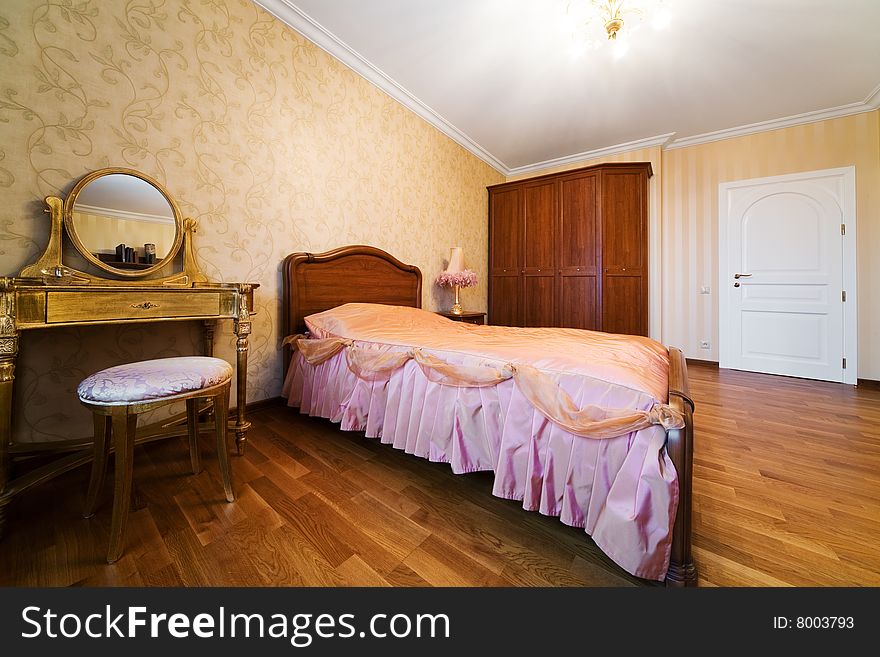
column 456, row 393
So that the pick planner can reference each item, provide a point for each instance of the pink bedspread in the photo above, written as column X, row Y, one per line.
column 623, row 491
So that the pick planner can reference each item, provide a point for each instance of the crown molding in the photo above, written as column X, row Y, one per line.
column 329, row 42
column 294, row 17
column 113, row 213
column 648, row 142
column 873, row 99
column 871, row 103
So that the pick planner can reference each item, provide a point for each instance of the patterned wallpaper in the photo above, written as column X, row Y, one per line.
column 270, row 143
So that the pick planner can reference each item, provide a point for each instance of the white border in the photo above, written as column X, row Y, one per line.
column 648, row 142
column 850, row 268
column 123, row 214
column 870, row 103
column 286, row 12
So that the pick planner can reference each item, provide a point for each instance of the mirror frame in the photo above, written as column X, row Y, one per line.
column 70, row 201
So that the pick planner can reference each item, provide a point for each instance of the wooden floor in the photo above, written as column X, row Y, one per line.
column 787, row 489
column 787, row 493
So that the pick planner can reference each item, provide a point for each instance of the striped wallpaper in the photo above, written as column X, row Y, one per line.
column 101, row 234
column 684, row 220
column 690, row 220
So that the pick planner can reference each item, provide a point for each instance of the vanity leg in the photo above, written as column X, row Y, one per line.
column 7, row 368
column 4, row 503
column 208, row 325
column 209, row 336
column 242, row 330
column 8, row 352
column 241, row 424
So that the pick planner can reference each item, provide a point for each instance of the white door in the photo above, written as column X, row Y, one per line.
column 787, row 275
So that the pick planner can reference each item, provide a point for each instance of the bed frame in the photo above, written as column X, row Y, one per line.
column 314, row 282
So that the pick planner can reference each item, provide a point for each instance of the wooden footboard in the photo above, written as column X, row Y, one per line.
column 680, row 447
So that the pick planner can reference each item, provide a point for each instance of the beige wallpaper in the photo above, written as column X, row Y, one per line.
column 690, row 220
column 271, row 144
column 684, row 218
column 101, row 233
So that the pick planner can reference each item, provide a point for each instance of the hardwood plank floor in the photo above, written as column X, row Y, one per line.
column 787, row 489
column 787, row 493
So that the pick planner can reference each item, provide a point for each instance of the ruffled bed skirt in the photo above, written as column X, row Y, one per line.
column 622, row 491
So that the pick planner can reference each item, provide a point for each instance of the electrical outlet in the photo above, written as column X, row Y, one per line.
column 704, row 344
column 705, row 290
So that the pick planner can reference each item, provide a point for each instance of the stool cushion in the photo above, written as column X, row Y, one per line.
column 151, row 380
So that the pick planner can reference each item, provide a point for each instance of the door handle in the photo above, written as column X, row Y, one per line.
column 738, row 276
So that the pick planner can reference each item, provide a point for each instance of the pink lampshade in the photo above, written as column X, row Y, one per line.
column 456, row 260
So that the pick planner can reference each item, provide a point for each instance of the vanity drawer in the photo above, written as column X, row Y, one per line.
column 101, row 306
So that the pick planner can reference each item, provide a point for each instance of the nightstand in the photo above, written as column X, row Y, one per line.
column 468, row 316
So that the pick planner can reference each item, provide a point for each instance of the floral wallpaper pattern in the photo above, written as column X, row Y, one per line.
column 268, row 142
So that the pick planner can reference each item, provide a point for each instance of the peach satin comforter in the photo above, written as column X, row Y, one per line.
column 623, row 491
column 628, row 360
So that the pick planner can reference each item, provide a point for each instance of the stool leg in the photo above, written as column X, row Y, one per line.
column 192, row 424
column 221, row 409
column 99, row 462
column 124, row 426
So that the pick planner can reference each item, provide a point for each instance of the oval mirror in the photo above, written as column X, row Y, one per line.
column 123, row 222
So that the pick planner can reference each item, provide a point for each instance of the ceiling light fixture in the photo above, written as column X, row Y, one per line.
column 618, row 20
column 612, row 13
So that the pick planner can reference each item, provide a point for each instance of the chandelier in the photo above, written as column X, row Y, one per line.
column 613, row 20
column 613, row 13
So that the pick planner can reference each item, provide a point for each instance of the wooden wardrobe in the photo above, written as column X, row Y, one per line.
column 571, row 249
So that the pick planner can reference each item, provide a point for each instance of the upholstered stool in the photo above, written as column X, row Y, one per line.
column 117, row 395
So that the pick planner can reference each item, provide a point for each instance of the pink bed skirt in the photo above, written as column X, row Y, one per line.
column 622, row 491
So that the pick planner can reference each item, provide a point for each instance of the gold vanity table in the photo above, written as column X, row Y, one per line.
column 171, row 287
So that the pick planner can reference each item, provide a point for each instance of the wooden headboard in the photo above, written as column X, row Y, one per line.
column 314, row 282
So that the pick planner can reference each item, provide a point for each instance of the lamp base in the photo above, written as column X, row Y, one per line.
column 456, row 305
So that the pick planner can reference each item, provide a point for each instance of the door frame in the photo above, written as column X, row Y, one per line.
column 850, row 308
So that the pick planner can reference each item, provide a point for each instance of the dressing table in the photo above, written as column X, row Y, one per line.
column 102, row 207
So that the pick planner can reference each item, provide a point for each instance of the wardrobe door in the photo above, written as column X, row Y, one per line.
column 578, row 253
column 538, row 301
column 505, row 256
column 624, row 251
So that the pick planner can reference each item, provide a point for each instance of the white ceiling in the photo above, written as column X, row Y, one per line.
column 499, row 75
column 121, row 192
